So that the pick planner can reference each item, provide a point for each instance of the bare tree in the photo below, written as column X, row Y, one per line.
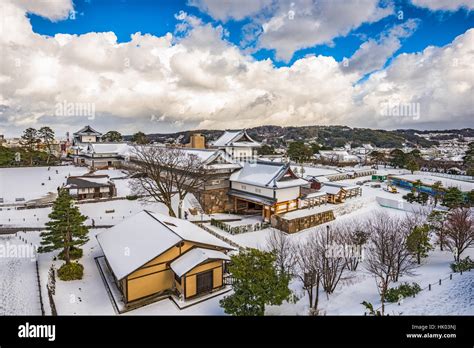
column 160, row 173
column 459, row 231
column 280, row 244
column 330, row 246
column 354, row 238
column 308, row 270
column 386, row 252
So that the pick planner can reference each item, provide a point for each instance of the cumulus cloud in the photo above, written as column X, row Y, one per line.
column 374, row 53
column 226, row 10
column 201, row 80
column 444, row 5
column 440, row 80
column 290, row 25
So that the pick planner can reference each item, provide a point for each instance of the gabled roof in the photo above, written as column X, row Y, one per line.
column 267, row 174
column 235, row 138
column 88, row 181
column 87, row 130
column 146, row 235
column 195, row 257
column 121, row 149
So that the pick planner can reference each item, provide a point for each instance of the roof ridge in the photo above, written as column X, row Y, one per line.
column 153, row 217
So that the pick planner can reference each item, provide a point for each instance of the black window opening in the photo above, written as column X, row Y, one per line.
column 177, row 278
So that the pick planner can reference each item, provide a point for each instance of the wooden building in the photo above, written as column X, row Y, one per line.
column 153, row 256
column 90, row 187
column 264, row 187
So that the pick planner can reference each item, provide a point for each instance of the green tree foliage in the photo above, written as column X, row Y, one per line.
column 378, row 157
column 112, row 137
column 256, row 283
column 398, row 158
column 436, row 221
column 66, row 229
column 315, row 147
column 266, row 150
column 453, row 198
column 418, row 242
column 140, row 138
column 299, row 152
column 29, row 140
column 46, row 135
column 412, row 164
column 469, row 160
column 437, row 188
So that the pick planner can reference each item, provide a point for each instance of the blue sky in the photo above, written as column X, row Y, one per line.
column 126, row 17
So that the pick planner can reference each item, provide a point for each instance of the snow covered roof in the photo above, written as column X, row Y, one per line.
column 235, row 138
column 121, row 149
column 332, row 190
column 146, row 235
column 195, row 257
column 315, row 194
column 87, row 130
column 88, row 181
column 267, row 174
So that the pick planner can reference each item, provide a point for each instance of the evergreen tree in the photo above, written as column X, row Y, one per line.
column 66, row 228
column 257, row 283
column 437, row 188
column 266, row 150
column 418, row 242
column 140, row 138
column 112, row 136
column 46, row 135
column 299, row 152
column 29, row 139
column 412, row 165
column 453, row 198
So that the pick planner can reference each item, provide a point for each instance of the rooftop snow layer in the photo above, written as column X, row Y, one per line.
column 195, row 257
column 146, row 235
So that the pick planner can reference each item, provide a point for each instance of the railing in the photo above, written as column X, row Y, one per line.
column 428, row 287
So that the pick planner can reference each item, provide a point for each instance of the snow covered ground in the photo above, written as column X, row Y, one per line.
column 19, row 290
column 19, row 293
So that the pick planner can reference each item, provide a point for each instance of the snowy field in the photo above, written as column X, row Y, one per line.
column 19, row 293
column 29, row 183
column 19, row 289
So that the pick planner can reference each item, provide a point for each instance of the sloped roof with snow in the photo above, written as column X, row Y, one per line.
column 121, row 149
column 267, row 174
column 87, row 130
column 146, row 235
column 195, row 257
column 234, row 138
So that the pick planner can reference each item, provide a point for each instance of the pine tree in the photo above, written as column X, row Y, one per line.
column 256, row 283
column 46, row 135
column 65, row 229
column 418, row 242
column 453, row 198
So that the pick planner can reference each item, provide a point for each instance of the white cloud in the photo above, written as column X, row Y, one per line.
column 373, row 53
column 306, row 23
column 203, row 81
column 444, row 5
column 290, row 25
column 225, row 10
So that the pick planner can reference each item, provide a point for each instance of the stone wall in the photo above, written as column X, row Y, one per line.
column 214, row 201
column 301, row 223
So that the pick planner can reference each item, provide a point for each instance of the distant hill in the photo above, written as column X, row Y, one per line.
column 329, row 136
